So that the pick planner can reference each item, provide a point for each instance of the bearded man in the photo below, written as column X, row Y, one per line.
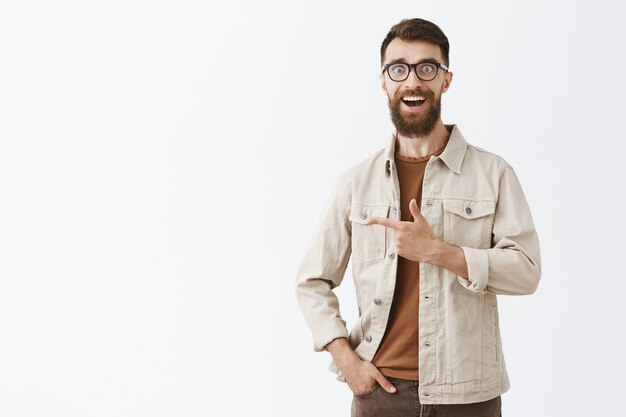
column 435, row 228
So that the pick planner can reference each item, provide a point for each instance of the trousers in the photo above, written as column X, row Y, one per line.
column 405, row 403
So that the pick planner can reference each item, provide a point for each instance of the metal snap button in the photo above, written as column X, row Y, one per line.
column 368, row 338
column 364, row 215
column 377, row 301
column 392, row 255
column 468, row 210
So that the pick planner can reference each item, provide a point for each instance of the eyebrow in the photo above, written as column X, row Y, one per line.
column 403, row 61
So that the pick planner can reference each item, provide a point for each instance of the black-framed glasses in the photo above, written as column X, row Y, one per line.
column 425, row 71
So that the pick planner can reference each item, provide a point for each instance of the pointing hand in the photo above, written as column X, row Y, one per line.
column 413, row 240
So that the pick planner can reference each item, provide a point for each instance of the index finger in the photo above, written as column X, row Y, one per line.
column 393, row 224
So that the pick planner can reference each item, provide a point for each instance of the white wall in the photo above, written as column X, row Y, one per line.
column 163, row 164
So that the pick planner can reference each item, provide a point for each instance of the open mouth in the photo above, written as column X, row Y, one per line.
column 414, row 101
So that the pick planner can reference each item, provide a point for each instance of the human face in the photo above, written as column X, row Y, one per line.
column 415, row 120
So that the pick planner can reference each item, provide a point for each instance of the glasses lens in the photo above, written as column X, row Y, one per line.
column 426, row 71
column 398, row 72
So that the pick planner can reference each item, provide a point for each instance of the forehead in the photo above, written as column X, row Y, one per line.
column 412, row 51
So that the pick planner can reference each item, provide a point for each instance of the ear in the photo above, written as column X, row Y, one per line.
column 383, row 82
column 447, row 80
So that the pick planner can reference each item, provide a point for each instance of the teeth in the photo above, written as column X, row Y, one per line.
column 414, row 98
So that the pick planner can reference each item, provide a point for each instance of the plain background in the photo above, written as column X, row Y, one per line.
column 163, row 165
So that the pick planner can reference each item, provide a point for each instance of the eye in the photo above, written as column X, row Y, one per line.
column 397, row 69
column 427, row 68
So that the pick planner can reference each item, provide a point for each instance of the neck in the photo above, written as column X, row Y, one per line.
column 417, row 147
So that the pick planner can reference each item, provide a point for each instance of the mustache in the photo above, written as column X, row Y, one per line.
column 405, row 93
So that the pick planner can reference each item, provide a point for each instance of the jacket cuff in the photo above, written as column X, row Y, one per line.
column 478, row 270
column 335, row 331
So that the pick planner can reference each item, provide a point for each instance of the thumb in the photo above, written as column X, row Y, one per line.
column 384, row 382
column 415, row 211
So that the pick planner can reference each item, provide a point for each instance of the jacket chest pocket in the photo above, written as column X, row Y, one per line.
column 368, row 240
column 468, row 222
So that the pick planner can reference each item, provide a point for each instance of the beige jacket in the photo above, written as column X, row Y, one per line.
column 471, row 198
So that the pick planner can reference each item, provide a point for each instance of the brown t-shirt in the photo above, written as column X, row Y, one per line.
column 397, row 355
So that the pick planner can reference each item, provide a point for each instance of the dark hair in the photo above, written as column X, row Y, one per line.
column 417, row 29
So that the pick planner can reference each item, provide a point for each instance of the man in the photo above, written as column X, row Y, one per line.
column 435, row 228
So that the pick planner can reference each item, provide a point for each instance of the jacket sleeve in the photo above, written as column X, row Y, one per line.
column 512, row 266
column 323, row 267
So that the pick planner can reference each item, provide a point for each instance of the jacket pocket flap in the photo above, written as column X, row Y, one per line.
column 359, row 213
column 470, row 209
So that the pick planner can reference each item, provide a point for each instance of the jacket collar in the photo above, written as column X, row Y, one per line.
column 452, row 155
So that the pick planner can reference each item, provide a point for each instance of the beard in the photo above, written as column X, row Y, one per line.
column 418, row 124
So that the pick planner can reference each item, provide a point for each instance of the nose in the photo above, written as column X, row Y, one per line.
column 413, row 80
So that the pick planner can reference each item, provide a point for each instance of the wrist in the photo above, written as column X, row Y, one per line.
column 342, row 352
column 438, row 252
column 450, row 257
